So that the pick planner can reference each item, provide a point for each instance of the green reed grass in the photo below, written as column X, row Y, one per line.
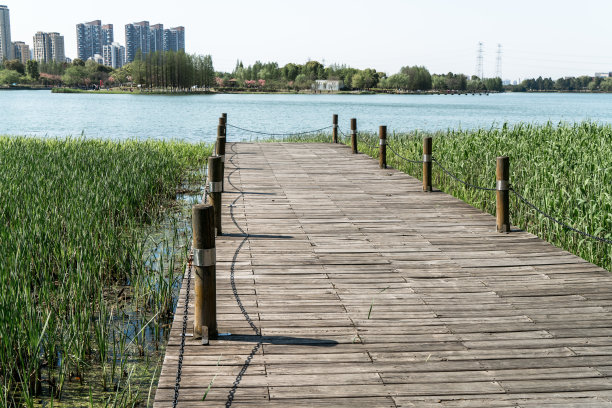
column 75, row 251
column 564, row 169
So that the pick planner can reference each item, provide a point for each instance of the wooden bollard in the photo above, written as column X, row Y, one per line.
column 354, row 135
column 220, row 148
column 221, row 132
column 204, row 266
column 214, row 189
column 335, row 129
column 502, row 174
column 223, row 121
column 382, row 156
column 427, row 149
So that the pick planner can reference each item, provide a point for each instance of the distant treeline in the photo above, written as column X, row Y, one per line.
column 181, row 71
column 168, row 70
column 302, row 76
column 581, row 83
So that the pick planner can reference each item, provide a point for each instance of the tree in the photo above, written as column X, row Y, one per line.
column 78, row 62
column 52, row 67
column 494, row 84
column 15, row 65
column 208, row 72
column 75, row 75
column 290, row 72
column 438, row 82
column 398, row 81
column 358, row 81
column 475, row 85
column 10, row 76
column 314, row 70
column 302, row 81
column 32, row 69
column 370, row 77
column 457, row 82
column 419, row 78
column 606, row 85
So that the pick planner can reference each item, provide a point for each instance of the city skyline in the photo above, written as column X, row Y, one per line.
column 538, row 38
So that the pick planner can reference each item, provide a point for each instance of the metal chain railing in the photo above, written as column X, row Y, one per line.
column 550, row 217
column 459, row 180
column 177, row 384
column 343, row 136
column 306, row 132
column 365, row 141
column 402, row 157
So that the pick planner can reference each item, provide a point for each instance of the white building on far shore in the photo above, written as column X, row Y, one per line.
column 329, row 85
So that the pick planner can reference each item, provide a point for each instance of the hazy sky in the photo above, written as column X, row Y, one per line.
column 538, row 37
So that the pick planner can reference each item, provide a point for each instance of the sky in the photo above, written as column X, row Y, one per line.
column 538, row 37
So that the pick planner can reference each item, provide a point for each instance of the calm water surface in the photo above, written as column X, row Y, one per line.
column 194, row 118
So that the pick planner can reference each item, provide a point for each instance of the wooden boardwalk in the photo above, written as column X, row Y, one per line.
column 345, row 285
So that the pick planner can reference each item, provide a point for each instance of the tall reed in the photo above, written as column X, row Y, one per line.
column 75, row 250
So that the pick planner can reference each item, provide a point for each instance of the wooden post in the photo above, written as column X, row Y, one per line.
column 214, row 189
column 224, row 116
column 354, row 135
column 502, row 174
column 220, row 148
column 382, row 156
column 427, row 149
column 335, row 130
column 204, row 268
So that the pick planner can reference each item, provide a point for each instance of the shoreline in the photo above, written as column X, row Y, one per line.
column 136, row 91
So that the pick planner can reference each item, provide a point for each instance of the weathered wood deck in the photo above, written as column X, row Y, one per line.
column 368, row 292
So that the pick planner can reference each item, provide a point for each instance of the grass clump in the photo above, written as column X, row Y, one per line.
column 77, row 247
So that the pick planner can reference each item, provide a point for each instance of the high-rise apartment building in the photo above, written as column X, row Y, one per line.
column 114, row 55
column 58, row 53
column 89, row 39
column 174, row 39
column 22, row 51
column 42, row 47
column 49, row 47
column 108, row 36
column 6, row 46
column 137, row 37
column 141, row 36
column 156, row 42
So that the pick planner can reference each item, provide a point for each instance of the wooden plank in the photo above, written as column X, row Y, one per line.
column 361, row 290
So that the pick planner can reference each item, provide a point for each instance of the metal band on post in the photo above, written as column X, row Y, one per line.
column 204, row 257
column 427, row 158
column 383, row 142
column 503, row 185
column 215, row 187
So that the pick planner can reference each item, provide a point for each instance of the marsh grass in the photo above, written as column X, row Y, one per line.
column 91, row 243
column 564, row 169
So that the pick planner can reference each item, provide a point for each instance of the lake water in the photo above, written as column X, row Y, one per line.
column 194, row 118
